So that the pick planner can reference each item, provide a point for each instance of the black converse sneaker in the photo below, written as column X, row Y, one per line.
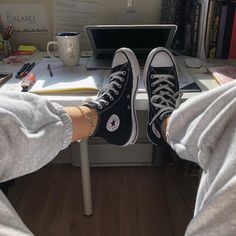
column 161, row 81
column 117, row 121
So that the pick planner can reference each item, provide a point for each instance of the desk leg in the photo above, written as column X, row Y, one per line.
column 86, row 182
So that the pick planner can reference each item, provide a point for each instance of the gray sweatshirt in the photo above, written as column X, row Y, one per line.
column 32, row 132
column 203, row 130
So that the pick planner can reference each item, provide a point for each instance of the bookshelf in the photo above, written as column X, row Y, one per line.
column 206, row 28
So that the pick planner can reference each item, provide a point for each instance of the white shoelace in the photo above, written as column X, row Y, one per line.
column 165, row 105
column 110, row 87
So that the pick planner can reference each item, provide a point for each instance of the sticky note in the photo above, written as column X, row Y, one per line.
column 27, row 48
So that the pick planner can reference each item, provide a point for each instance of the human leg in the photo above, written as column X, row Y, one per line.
column 203, row 130
column 84, row 121
column 161, row 82
column 45, row 128
column 117, row 121
column 10, row 222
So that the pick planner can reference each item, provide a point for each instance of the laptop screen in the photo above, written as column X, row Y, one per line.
column 139, row 38
column 136, row 39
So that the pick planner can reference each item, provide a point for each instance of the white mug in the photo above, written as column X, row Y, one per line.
column 68, row 47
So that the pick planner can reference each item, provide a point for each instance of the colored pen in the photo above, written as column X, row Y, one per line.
column 28, row 82
column 50, row 70
column 22, row 69
column 7, row 32
column 27, row 70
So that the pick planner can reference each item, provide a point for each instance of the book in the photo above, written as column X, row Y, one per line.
column 214, row 29
column 25, row 52
column 186, row 82
column 202, row 28
column 172, row 12
column 223, row 74
column 211, row 7
column 196, row 11
column 228, row 30
column 232, row 48
column 219, row 46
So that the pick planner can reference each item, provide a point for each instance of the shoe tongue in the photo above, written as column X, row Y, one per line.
column 163, row 70
column 120, row 67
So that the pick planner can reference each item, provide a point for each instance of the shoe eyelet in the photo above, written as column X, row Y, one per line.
column 100, row 107
column 128, row 107
column 123, row 72
column 122, row 80
column 116, row 93
column 128, row 96
column 119, row 86
column 153, row 92
column 161, row 117
column 152, row 84
column 111, row 98
column 152, row 76
column 107, row 103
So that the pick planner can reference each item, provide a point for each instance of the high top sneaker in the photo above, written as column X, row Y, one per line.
column 117, row 120
column 161, row 81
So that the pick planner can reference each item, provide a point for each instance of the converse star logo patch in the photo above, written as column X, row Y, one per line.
column 113, row 123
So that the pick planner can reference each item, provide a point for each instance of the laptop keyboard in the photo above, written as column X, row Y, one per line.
column 104, row 56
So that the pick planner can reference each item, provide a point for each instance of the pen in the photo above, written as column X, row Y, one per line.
column 7, row 32
column 27, row 70
column 28, row 82
column 22, row 69
column 50, row 70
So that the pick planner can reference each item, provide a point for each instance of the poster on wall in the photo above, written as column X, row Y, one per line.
column 73, row 15
column 24, row 17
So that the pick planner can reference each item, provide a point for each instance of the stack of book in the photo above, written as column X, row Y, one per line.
column 26, row 50
column 220, row 33
column 206, row 28
column 186, row 15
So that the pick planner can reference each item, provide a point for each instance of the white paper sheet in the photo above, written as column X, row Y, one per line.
column 73, row 16
column 70, row 79
column 25, row 17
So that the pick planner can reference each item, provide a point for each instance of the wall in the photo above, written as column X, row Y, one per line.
column 110, row 12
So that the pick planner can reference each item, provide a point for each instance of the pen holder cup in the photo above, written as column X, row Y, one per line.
column 7, row 50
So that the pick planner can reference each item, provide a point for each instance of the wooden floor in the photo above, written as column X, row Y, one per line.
column 128, row 201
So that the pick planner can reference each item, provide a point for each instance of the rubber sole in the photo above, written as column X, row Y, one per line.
column 136, row 76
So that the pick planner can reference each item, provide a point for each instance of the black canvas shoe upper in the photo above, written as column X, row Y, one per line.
column 162, row 86
column 117, row 122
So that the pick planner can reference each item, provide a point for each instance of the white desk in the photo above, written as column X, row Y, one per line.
column 203, row 79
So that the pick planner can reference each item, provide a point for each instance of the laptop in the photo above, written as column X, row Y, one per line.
column 106, row 39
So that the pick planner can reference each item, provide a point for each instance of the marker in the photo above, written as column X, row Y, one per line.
column 50, row 70
column 28, row 82
column 27, row 70
column 22, row 69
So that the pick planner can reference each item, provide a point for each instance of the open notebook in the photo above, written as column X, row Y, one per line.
column 66, row 80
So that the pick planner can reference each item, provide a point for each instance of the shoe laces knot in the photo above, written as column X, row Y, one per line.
column 164, row 98
column 104, row 95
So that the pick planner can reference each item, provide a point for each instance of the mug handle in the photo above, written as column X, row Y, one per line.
column 48, row 45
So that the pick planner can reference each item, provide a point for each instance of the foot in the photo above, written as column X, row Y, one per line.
column 117, row 120
column 161, row 81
